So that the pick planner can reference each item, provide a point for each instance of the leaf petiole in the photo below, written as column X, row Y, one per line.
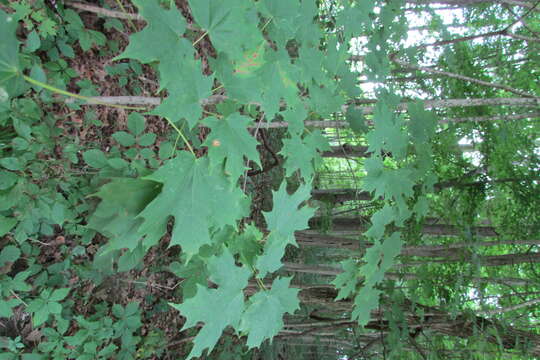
column 182, row 136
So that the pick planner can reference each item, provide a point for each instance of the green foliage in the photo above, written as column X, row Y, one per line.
column 263, row 316
column 46, row 304
column 226, row 302
column 198, row 196
column 285, row 218
column 121, row 201
column 180, row 201
column 10, row 84
column 230, row 141
column 303, row 153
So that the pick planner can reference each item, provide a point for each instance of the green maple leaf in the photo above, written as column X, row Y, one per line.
column 347, row 280
column 193, row 273
column 285, row 218
column 286, row 16
column 199, row 198
column 187, row 86
column 240, row 88
column 231, row 25
column 388, row 136
column 302, row 154
column 278, row 82
column 230, row 140
column 216, row 308
column 161, row 39
column 380, row 219
column 395, row 184
column 295, row 117
column 122, row 200
column 246, row 244
column 365, row 301
column 390, row 249
column 388, row 133
column 263, row 317
column 423, row 123
column 11, row 84
column 291, row 19
column 355, row 18
column 378, row 259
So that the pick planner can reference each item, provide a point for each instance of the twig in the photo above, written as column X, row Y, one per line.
column 111, row 13
column 104, row 12
column 18, row 298
column 460, row 77
column 367, row 110
column 125, row 12
column 510, row 308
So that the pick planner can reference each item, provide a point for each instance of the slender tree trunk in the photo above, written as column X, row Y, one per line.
column 430, row 227
column 342, row 195
column 489, row 260
column 436, row 320
column 429, row 104
column 346, row 151
column 333, row 271
column 455, row 249
column 462, row 77
column 461, row 3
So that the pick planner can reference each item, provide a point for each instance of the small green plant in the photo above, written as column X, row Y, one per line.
column 48, row 303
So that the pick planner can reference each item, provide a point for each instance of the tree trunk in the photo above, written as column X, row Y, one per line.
column 342, row 195
column 346, row 150
column 430, row 227
column 447, row 250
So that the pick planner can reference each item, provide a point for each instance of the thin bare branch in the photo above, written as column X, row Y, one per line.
column 510, row 308
column 104, row 12
column 461, row 77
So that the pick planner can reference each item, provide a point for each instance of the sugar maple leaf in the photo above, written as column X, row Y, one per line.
column 302, row 154
column 230, row 140
column 161, row 40
column 186, row 90
column 197, row 197
column 122, row 200
column 395, row 184
column 285, row 218
column 231, row 25
column 347, row 280
column 216, row 308
column 263, row 318
column 379, row 259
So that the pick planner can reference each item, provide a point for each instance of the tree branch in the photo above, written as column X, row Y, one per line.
column 103, row 12
column 510, row 308
column 460, row 77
